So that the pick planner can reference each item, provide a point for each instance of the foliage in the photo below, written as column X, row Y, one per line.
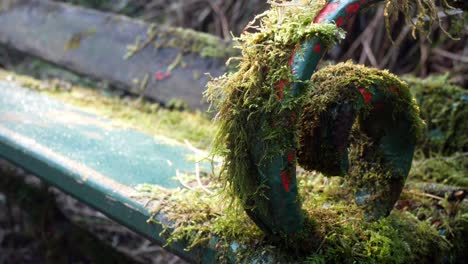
column 452, row 170
column 444, row 107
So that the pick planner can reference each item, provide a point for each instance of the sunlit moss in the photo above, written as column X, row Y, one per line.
column 335, row 231
column 150, row 117
column 247, row 99
column 452, row 170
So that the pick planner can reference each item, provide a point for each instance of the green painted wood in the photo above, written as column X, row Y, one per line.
column 100, row 40
column 91, row 158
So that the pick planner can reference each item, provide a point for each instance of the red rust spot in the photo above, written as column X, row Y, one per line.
column 367, row 96
column 353, row 8
column 339, row 21
column 280, row 88
column 395, row 90
column 330, row 8
column 291, row 59
column 286, row 181
column 317, row 48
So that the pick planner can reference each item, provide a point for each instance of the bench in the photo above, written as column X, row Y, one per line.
column 90, row 158
column 99, row 163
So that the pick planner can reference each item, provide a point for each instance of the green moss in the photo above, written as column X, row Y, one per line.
column 75, row 40
column 421, row 15
column 247, row 99
column 339, row 84
column 444, row 107
column 349, row 112
column 452, row 170
column 187, row 40
column 337, row 235
column 127, row 111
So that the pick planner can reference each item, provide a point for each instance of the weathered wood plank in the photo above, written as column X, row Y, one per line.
column 170, row 64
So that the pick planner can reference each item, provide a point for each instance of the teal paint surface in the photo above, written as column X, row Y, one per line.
column 91, row 159
column 125, row 155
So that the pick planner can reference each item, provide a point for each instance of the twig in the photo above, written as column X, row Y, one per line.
column 182, row 181
column 450, row 55
column 426, row 195
column 200, row 184
column 223, row 19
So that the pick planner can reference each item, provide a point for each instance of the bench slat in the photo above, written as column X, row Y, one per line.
column 91, row 158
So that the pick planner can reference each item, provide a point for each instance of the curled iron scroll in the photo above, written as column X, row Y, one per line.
column 333, row 130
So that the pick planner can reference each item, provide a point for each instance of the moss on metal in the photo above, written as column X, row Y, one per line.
column 248, row 97
column 417, row 231
column 347, row 83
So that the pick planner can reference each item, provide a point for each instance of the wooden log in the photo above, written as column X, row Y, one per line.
column 161, row 63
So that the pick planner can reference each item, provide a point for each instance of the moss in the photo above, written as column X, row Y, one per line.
column 452, row 170
column 346, row 84
column 349, row 112
column 247, row 99
column 187, row 40
column 127, row 111
column 337, row 235
column 444, row 107
column 421, row 15
column 75, row 40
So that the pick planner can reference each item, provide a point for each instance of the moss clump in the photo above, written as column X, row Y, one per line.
column 197, row 217
column 344, row 85
column 452, row 170
column 350, row 111
column 417, row 231
column 248, row 101
column 127, row 111
column 444, row 107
